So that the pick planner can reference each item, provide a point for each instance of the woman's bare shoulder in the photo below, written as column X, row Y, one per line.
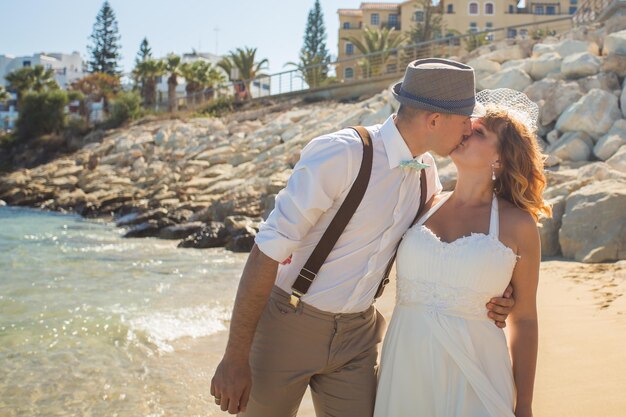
column 516, row 220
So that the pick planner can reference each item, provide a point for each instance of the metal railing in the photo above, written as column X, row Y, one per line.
column 389, row 63
column 589, row 11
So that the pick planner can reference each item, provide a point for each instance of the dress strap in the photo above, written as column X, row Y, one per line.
column 433, row 209
column 494, row 220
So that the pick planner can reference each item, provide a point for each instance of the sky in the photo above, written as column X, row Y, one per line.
column 274, row 27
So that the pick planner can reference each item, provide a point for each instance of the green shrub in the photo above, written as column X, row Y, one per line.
column 42, row 113
column 126, row 106
column 220, row 106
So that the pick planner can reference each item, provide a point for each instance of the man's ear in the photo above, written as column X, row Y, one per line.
column 433, row 120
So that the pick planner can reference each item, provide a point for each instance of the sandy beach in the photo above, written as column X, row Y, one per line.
column 582, row 359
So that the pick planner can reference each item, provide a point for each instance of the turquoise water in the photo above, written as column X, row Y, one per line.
column 93, row 324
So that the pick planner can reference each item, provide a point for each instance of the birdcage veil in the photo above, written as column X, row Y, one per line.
column 515, row 103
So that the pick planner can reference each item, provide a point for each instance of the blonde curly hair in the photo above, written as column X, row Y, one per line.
column 521, row 180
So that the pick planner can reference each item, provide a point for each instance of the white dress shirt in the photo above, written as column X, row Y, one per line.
column 348, row 280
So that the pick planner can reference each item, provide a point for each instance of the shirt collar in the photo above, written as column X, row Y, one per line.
column 395, row 147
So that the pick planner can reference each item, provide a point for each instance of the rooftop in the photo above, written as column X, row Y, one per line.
column 379, row 6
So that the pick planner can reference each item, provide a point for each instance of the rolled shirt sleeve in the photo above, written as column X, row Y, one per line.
column 323, row 173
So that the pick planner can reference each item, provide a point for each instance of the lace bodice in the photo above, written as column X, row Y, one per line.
column 456, row 278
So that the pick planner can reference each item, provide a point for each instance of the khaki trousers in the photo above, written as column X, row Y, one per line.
column 334, row 354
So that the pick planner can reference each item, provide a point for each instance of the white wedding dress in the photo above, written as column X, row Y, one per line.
column 442, row 355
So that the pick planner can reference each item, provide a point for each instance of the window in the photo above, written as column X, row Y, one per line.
column 550, row 10
column 26, row 63
column 450, row 8
column 473, row 27
column 539, row 9
column 375, row 19
column 393, row 19
column 489, row 8
column 572, row 9
column 511, row 33
column 418, row 16
column 473, row 8
column 349, row 48
column 573, row 2
column 523, row 33
column 348, row 73
column 511, row 9
column 489, row 25
column 346, row 25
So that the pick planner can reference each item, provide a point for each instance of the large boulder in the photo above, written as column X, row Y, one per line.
column 572, row 146
column 594, row 223
column 553, row 97
column 580, row 65
column 506, row 54
column 622, row 99
column 615, row 43
column 513, row 78
column 607, row 81
column 549, row 228
column 570, row 47
column 213, row 235
column 615, row 63
column 544, row 65
column 618, row 160
column 486, row 66
column 609, row 144
column 594, row 113
column 180, row 231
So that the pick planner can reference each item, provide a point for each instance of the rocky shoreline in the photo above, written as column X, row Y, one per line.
column 209, row 182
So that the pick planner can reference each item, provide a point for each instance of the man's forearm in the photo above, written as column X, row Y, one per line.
column 255, row 285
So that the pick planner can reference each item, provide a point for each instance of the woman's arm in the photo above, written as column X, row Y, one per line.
column 523, row 330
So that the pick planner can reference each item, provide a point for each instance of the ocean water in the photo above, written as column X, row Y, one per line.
column 95, row 325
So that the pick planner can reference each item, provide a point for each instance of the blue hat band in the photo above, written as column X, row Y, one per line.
column 445, row 104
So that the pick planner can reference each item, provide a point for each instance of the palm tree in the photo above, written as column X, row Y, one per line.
column 378, row 45
column 244, row 61
column 199, row 76
column 27, row 79
column 173, row 67
column 147, row 72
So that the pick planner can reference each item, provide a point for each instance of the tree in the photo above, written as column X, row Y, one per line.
column 173, row 68
column 27, row 79
column 105, row 38
column 42, row 113
column 145, row 52
column 4, row 95
column 199, row 76
column 429, row 25
column 378, row 45
column 244, row 61
column 96, row 87
column 146, row 72
column 314, row 49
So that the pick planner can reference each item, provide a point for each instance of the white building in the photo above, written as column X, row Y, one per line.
column 67, row 67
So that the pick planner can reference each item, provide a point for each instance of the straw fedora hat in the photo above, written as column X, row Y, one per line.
column 439, row 85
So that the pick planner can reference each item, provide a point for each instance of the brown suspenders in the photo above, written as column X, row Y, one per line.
column 340, row 221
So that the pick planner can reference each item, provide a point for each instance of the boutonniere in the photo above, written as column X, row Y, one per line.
column 413, row 164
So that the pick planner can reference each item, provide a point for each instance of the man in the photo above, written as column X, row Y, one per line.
column 329, row 340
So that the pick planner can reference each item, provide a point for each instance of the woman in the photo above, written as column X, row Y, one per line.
column 442, row 356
